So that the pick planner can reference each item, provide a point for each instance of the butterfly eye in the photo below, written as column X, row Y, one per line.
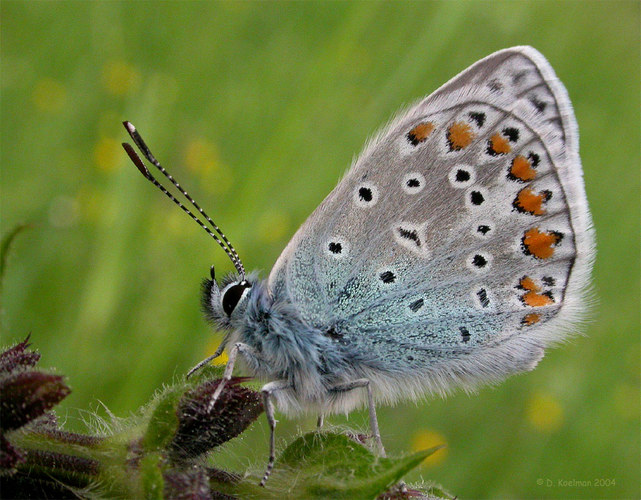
column 232, row 295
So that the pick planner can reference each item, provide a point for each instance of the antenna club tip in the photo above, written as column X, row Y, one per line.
column 129, row 126
column 136, row 160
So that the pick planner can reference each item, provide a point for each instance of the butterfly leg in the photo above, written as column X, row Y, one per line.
column 218, row 352
column 373, row 420
column 229, row 369
column 320, row 421
column 268, row 390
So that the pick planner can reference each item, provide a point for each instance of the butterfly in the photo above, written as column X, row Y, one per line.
column 457, row 247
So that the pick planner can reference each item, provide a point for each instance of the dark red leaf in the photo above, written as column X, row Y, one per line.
column 18, row 357
column 25, row 396
column 202, row 428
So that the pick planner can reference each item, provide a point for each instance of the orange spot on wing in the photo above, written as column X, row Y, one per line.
column 540, row 244
column 459, row 136
column 529, row 201
column 527, row 283
column 531, row 319
column 419, row 133
column 499, row 145
column 521, row 169
column 534, row 299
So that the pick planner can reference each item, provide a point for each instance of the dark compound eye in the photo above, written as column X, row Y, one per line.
column 232, row 296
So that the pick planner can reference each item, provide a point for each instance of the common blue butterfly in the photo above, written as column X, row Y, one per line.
column 457, row 247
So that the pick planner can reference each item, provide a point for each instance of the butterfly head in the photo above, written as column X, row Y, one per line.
column 222, row 303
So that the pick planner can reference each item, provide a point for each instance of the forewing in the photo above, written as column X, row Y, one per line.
column 462, row 226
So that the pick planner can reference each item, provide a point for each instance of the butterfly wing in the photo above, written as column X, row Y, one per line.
column 459, row 244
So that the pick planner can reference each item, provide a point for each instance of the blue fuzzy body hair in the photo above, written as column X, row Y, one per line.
column 285, row 348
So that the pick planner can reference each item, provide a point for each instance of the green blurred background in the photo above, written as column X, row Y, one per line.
column 259, row 108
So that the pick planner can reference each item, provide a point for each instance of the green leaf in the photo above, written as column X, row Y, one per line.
column 333, row 466
column 163, row 423
column 436, row 491
column 153, row 484
column 5, row 247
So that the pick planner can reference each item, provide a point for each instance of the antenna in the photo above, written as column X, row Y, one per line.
column 144, row 149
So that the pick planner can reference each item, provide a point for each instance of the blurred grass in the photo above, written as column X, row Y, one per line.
column 259, row 108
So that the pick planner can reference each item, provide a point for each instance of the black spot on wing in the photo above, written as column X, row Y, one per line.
column 387, row 277
column 478, row 117
column 477, row 198
column 537, row 103
column 479, row 261
column 511, row 133
column 462, row 175
column 365, row 194
column 417, row 304
column 335, row 247
column 483, row 298
column 410, row 234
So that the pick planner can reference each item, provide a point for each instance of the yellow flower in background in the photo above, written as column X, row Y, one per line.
column 425, row 439
column 211, row 349
column 107, row 154
column 49, row 95
column 544, row 412
column 202, row 156
column 272, row 225
column 120, row 78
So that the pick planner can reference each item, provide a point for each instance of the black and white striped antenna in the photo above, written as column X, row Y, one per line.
column 214, row 231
